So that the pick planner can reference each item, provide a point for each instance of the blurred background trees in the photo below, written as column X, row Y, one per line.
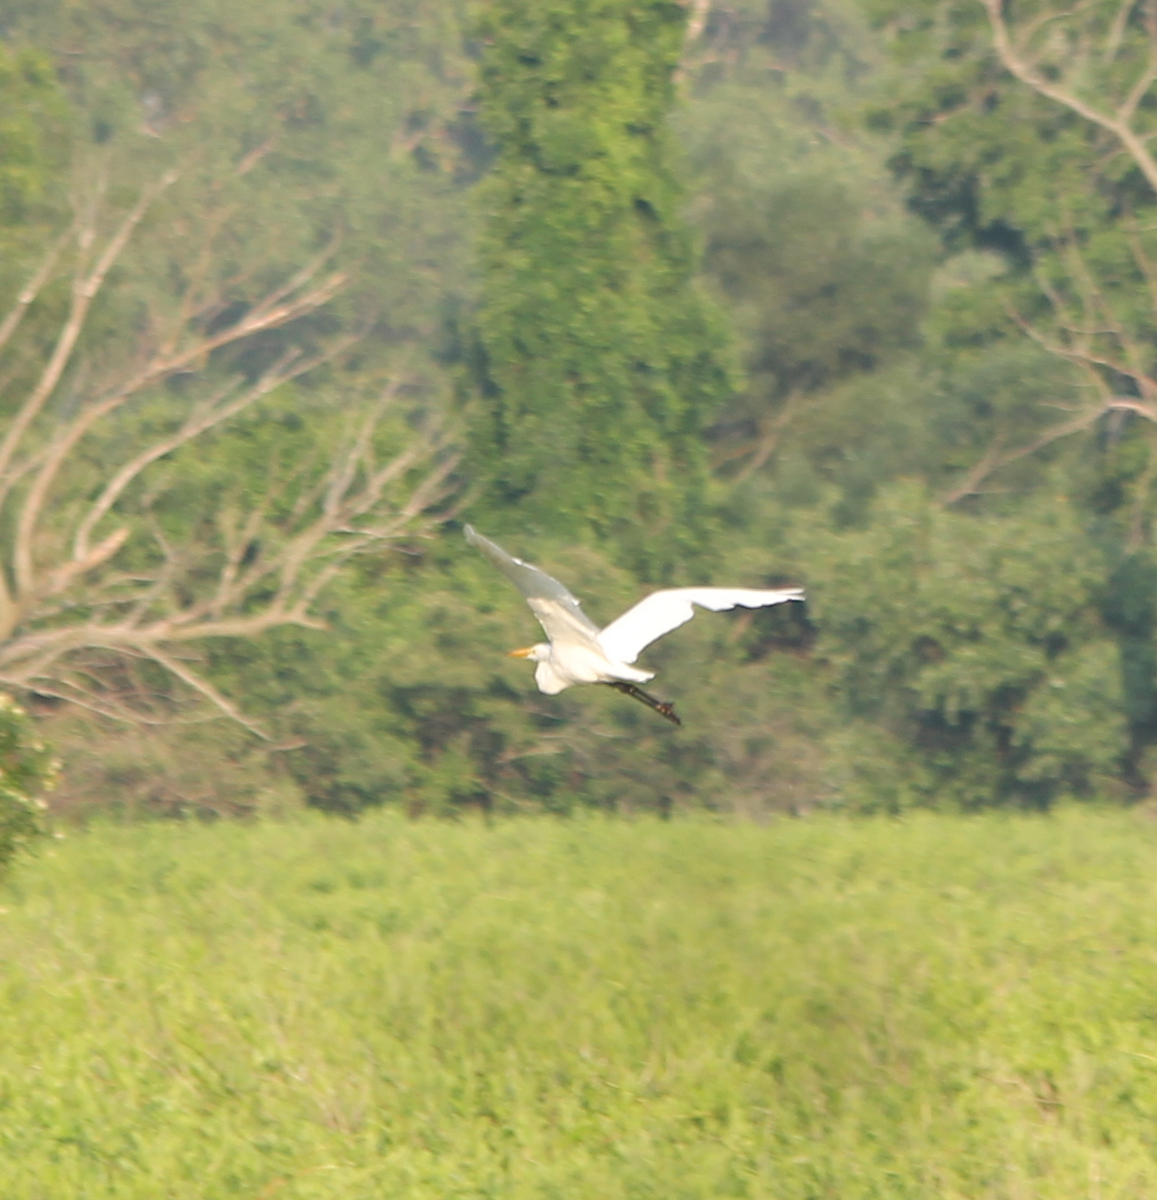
column 759, row 291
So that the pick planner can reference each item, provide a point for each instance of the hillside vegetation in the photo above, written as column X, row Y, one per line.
column 933, row 1006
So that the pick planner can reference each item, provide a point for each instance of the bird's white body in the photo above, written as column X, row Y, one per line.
column 579, row 652
column 563, row 664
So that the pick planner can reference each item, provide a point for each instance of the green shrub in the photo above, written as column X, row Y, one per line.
column 970, row 655
column 27, row 771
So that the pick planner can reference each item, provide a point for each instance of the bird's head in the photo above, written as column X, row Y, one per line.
column 539, row 652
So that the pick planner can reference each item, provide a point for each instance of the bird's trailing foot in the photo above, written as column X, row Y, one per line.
column 663, row 707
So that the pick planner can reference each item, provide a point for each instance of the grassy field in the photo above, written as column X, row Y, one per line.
column 931, row 1008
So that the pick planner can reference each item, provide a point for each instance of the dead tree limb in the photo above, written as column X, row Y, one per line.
column 86, row 568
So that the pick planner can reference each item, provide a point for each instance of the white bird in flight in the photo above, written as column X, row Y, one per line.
column 579, row 652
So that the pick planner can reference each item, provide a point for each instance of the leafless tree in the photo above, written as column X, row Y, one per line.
column 88, row 576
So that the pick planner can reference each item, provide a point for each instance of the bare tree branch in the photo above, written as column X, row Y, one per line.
column 1091, row 325
column 33, row 287
column 698, row 12
column 696, row 20
column 996, row 458
column 67, row 438
column 1117, row 123
column 1116, row 33
column 198, row 684
column 246, row 569
column 84, row 291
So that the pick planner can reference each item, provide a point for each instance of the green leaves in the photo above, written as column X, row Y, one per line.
column 600, row 364
column 33, row 120
column 27, row 772
column 291, row 125
column 980, row 643
column 949, row 657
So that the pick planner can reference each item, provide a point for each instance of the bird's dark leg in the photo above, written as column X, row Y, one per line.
column 663, row 707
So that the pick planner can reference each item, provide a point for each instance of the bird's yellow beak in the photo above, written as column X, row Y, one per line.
column 521, row 653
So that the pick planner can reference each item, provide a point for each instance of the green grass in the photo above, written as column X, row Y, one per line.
column 930, row 1008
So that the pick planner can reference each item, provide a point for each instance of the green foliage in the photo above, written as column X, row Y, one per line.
column 807, row 243
column 293, row 133
column 824, row 294
column 799, row 218
column 30, row 147
column 33, row 129
column 584, row 1008
column 27, row 772
column 1048, row 222
column 1048, row 204
column 203, row 770
column 409, row 700
column 999, row 655
column 978, row 649
column 990, row 162
column 290, row 126
column 601, row 363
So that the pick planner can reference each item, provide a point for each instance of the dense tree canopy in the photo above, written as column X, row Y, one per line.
column 855, row 296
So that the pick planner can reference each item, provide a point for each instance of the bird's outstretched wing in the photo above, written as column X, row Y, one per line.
column 660, row 612
column 558, row 612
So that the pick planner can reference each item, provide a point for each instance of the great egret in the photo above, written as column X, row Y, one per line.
column 579, row 652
